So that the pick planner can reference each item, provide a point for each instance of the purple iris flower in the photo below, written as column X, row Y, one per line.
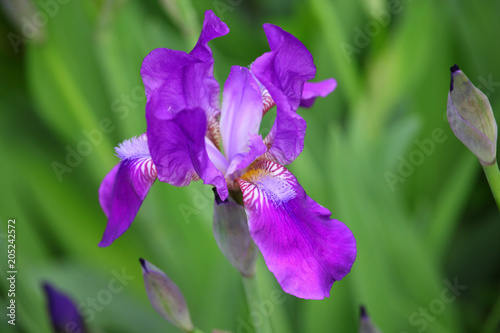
column 190, row 136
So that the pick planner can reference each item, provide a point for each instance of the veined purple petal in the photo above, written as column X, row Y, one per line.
column 178, row 149
column 124, row 188
column 63, row 312
column 132, row 180
column 241, row 112
column 285, row 69
column 286, row 138
column 283, row 72
column 106, row 190
column 180, row 80
column 316, row 89
column 305, row 249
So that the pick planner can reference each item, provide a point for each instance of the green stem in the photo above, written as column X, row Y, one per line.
column 254, row 305
column 493, row 175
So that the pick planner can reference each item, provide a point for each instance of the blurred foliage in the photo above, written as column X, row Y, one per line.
column 79, row 72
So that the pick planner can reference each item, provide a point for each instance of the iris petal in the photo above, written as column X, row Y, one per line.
column 213, row 27
column 285, row 69
column 305, row 249
column 215, row 155
column 316, row 89
column 178, row 86
column 181, row 81
column 177, row 146
column 241, row 111
column 283, row 72
column 286, row 138
column 122, row 192
column 256, row 148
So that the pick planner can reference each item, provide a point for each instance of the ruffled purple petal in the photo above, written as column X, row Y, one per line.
column 283, row 72
column 184, row 80
column 177, row 82
column 178, row 149
column 131, row 181
column 316, row 89
column 63, row 312
column 286, row 138
column 285, row 69
column 305, row 249
column 213, row 27
column 241, row 112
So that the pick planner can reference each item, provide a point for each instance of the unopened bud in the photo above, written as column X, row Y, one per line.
column 365, row 323
column 166, row 297
column 63, row 312
column 233, row 237
column 471, row 117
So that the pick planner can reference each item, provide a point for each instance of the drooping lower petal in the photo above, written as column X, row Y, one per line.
column 106, row 190
column 124, row 188
column 316, row 89
column 305, row 249
column 132, row 180
column 178, row 149
column 241, row 113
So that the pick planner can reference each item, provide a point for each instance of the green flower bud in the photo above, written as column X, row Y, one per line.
column 365, row 323
column 233, row 237
column 166, row 297
column 471, row 117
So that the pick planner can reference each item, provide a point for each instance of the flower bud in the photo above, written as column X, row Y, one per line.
column 63, row 312
column 233, row 237
column 365, row 324
column 166, row 297
column 471, row 117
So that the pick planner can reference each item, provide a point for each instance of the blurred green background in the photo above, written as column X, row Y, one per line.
column 378, row 153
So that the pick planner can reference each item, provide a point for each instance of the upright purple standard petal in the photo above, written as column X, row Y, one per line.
column 305, row 249
column 185, row 80
column 286, row 138
column 240, row 119
column 283, row 72
column 124, row 188
column 285, row 69
column 213, row 27
column 178, row 149
column 63, row 312
column 177, row 82
column 316, row 89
